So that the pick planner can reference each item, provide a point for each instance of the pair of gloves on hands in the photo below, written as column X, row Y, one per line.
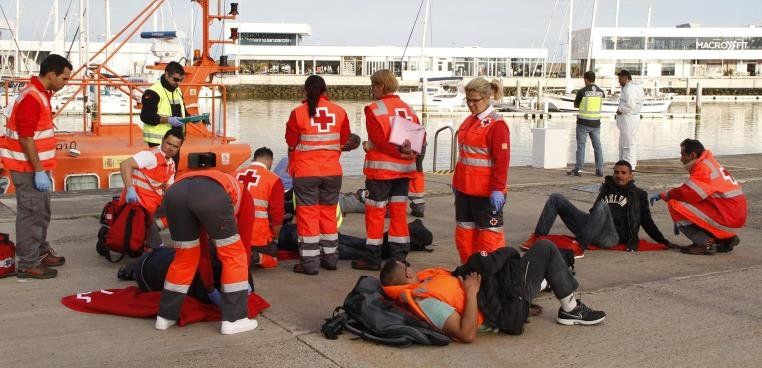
column 496, row 199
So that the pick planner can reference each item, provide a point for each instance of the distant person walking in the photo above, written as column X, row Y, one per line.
column 628, row 117
column 29, row 153
column 589, row 101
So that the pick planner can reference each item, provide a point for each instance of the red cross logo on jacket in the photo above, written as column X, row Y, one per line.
column 401, row 112
column 323, row 120
column 249, row 178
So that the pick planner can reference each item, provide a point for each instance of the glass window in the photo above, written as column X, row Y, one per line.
column 668, row 69
column 684, row 43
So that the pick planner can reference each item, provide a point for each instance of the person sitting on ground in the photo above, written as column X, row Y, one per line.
column 615, row 218
column 483, row 295
column 710, row 198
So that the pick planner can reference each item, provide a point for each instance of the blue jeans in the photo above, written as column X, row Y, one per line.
column 596, row 227
column 595, row 137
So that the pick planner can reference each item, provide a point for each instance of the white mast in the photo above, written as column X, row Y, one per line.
column 645, row 41
column 17, row 54
column 107, row 37
column 616, row 40
column 569, row 85
column 588, row 65
column 420, row 59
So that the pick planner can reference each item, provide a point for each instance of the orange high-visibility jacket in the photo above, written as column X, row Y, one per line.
column 379, row 165
column 150, row 183
column 475, row 163
column 12, row 153
column 319, row 147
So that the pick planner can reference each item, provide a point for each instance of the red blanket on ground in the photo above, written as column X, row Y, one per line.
column 570, row 243
column 287, row 254
column 132, row 302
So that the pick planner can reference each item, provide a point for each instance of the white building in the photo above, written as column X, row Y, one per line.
column 266, row 48
column 683, row 51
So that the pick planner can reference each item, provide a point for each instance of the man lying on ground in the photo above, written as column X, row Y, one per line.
column 489, row 292
column 615, row 218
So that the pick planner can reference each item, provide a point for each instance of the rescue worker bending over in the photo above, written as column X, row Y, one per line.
column 198, row 204
column 710, row 199
column 163, row 105
column 267, row 192
column 315, row 133
column 147, row 175
column 481, row 295
column 388, row 169
column 481, row 174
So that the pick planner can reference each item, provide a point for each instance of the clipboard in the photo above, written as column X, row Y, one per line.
column 404, row 129
column 196, row 118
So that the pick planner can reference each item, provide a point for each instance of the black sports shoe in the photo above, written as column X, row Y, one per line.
column 726, row 245
column 367, row 264
column 599, row 173
column 581, row 315
column 574, row 172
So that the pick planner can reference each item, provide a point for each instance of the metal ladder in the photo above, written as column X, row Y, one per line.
column 453, row 147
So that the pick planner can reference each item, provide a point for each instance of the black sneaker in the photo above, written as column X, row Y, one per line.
column 599, row 173
column 707, row 249
column 726, row 245
column 367, row 265
column 581, row 315
column 574, row 172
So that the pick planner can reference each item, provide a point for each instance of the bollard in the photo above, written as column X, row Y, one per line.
column 699, row 92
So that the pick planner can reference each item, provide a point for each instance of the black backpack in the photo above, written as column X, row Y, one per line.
column 371, row 315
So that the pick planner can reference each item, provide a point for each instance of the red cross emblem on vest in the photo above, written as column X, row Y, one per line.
column 323, row 120
column 486, row 121
column 402, row 113
column 493, row 221
column 249, row 178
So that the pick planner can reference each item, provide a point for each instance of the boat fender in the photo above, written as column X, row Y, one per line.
column 74, row 152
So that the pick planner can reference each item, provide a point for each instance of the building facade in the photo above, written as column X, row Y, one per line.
column 683, row 51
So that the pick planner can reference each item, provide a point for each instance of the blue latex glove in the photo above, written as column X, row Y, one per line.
column 174, row 121
column 132, row 195
column 215, row 297
column 497, row 199
column 676, row 229
column 42, row 181
column 654, row 197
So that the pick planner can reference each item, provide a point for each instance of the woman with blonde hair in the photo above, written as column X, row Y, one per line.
column 481, row 174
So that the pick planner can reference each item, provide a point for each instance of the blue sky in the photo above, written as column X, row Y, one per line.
column 484, row 23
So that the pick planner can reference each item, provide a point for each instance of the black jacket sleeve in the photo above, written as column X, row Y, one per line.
column 647, row 221
column 578, row 98
column 486, row 265
column 149, row 114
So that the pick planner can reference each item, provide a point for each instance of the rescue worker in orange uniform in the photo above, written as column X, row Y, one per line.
column 315, row 133
column 200, row 203
column 481, row 174
column 28, row 152
column 708, row 201
column 388, row 169
column 417, row 188
column 147, row 175
column 267, row 191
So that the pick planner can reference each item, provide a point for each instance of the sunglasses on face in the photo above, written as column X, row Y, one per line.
column 177, row 80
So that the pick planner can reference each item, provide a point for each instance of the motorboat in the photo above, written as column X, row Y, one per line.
column 443, row 93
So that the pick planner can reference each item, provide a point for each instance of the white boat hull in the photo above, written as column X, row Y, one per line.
column 650, row 105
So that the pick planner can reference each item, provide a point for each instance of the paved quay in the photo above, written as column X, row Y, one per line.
column 665, row 309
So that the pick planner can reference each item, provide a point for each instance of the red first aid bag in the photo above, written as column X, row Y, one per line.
column 7, row 256
column 128, row 231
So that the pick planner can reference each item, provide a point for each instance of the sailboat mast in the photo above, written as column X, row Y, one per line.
column 645, row 41
column 107, row 37
column 616, row 40
column 17, row 54
column 588, row 65
column 420, row 59
column 569, row 85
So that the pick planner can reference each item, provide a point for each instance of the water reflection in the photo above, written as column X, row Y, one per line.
column 725, row 129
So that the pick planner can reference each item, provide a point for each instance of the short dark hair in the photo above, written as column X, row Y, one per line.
column 174, row 68
column 263, row 152
column 624, row 163
column 391, row 273
column 54, row 63
column 625, row 73
column 692, row 146
column 175, row 132
column 590, row 76
column 352, row 143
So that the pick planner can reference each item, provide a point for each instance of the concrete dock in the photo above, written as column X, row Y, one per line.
column 665, row 309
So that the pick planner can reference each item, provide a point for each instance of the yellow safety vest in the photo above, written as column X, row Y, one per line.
column 590, row 106
column 154, row 133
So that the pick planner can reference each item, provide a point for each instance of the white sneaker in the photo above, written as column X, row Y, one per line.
column 163, row 323
column 241, row 325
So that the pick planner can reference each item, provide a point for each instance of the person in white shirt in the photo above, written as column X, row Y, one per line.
column 628, row 117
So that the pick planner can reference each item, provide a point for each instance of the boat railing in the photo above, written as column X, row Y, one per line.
column 218, row 122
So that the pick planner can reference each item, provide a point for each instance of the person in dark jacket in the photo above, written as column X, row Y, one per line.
column 498, row 289
column 615, row 218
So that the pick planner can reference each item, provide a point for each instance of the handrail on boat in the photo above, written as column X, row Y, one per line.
column 453, row 147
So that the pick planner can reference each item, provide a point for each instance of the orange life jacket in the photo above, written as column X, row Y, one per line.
column 436, row 283
column 259, row 182
column 151, row 183
column 319, row 148
column 474, row 167
column 379, row 165
column 12, row 154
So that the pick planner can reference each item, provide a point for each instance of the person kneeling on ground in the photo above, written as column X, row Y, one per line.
column 489, row 292
column 615, row 218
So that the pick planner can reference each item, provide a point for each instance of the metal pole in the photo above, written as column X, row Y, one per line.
column 17, row 54
column 539, row 94
column 569, row 85
column 616, row 40
column 517, row 102
column 588, row 65
column 643, row 73
column 108, row 25
column 421, row 64
column 699, row 92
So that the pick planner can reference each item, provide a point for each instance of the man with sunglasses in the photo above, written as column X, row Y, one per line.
column 163, row 105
